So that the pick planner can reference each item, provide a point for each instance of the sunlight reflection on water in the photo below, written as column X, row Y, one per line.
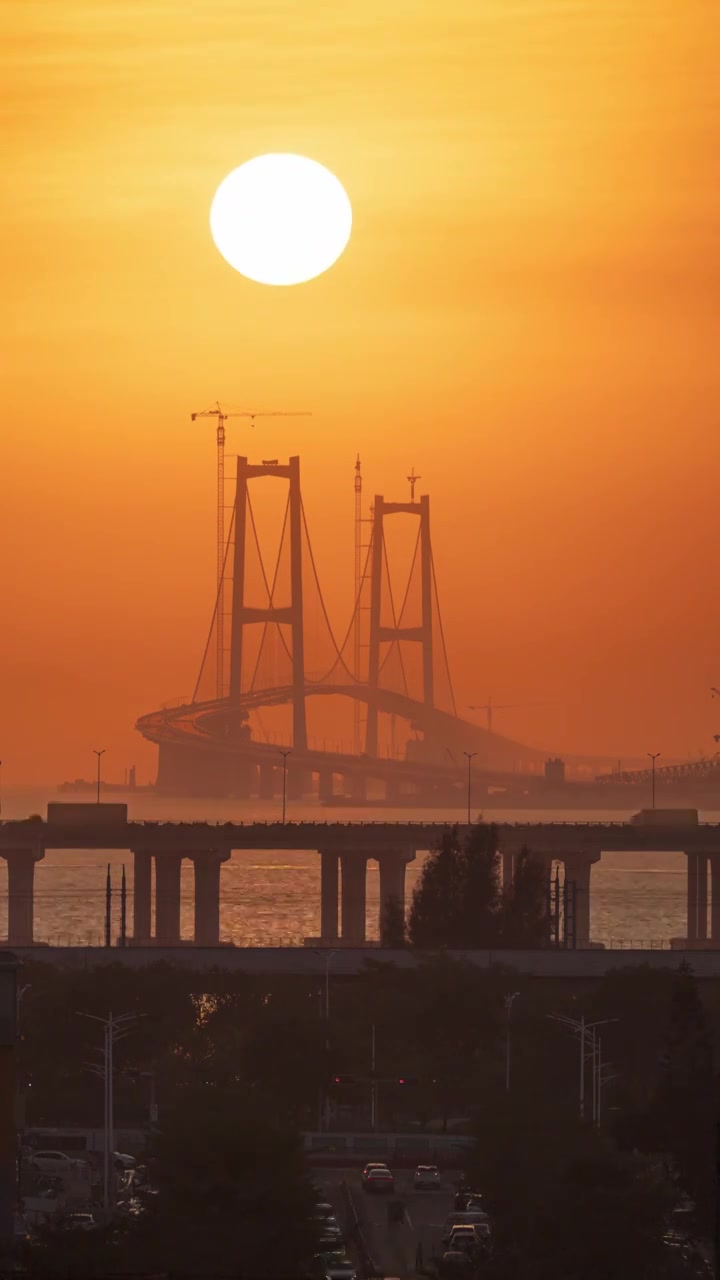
column 273, row 898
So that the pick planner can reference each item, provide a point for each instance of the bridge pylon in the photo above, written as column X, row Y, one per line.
column 292, row 614
column 379, row 632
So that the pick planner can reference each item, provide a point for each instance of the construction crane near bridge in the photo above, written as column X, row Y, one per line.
column 216, row 411
column 490, row 706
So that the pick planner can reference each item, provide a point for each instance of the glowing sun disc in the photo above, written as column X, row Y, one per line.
column 281, row 219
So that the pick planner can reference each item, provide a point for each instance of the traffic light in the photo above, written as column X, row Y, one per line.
column 343, row 1080
column 407, row 1079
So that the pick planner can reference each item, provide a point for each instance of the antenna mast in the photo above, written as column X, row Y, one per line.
column 358, row 581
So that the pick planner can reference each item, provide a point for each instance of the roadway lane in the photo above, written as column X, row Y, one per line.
column 394, row 1249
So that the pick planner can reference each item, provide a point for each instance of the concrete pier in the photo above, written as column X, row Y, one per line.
column 353, row 869
column 714, row 859
column 21, row 894
column 167, row 898
column 692, row 898
column 142, row 897
column 577, row 870
column 207, row 897
column 702, row 898
column 328, row 895
column 392, row 883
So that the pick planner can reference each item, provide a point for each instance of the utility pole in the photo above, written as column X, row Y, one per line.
column 108, row 908
column 222, row 416
column 373, row 1085
column 509, row 1001
column 469, row 755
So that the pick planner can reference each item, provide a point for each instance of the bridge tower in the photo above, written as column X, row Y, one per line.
column 292, row 613
column 378, row 632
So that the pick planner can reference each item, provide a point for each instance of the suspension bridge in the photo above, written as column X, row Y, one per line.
column 275, row 681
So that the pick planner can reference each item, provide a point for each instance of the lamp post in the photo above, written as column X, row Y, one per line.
column 327, row 955
column 586, row 1032
column 284, row 755
column 469, row 755
column 653, row 757
column 509, row 1001
column 99, row 755
column 114, row 1028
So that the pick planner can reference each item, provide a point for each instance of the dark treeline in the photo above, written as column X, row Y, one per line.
column 442, row 1024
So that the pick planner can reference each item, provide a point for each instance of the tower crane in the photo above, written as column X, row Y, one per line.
column 216, row 411
column 490, row 706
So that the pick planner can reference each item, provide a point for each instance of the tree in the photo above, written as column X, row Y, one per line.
column 681, row 1117
column 227, row 1174
column 455, row 902
column 458, row 901
column 523, row 913
column 392, row 925
column 563, row 1201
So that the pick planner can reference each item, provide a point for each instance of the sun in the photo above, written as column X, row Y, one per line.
column 281, row 219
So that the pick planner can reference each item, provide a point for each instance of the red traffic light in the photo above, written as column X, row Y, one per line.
column 407, row 1080
column 343, row 1079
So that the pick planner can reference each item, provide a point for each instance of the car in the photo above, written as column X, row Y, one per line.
column 455, row 1262
column 56, row 1162
column 334, row 1266
column 481, row 1225
column 375, row 1164
column 476, row 1237
column 379, row 1180
column 79, row 1222
column 426, row 1178
column 123, row 1161
column 330, row 1228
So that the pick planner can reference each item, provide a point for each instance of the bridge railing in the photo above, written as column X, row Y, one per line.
column 637, row 944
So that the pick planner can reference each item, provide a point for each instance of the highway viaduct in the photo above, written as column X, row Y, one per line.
column 344, row 847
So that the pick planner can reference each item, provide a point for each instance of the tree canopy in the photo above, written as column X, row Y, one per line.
column 459, row 901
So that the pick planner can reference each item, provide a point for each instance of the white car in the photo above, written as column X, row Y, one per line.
column 426, row 1178
column 56, row 1162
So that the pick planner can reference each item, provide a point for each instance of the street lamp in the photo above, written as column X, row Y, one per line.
column 328, row 955
column 284, row 755
column 99, row 755
column 114, row 1028
column 586, row 1031
column 469, row 755
column 653, row 758
column 509, row 1001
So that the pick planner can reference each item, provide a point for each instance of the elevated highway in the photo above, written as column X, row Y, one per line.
column 344, row 850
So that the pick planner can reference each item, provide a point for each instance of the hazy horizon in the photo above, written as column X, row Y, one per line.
column 525, row 314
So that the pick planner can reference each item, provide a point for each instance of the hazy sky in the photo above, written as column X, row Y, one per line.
column 527, row 313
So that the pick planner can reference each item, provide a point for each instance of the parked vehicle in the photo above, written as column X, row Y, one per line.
column 123, row 1161
column 56, row 1162
column 78, row 1222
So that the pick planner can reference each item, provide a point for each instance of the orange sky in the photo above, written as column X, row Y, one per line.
column 527, row 313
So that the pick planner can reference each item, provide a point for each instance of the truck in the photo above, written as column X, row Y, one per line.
column 665, row 818
column 85, row 815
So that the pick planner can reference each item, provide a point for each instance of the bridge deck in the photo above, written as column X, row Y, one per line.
column 540, row 837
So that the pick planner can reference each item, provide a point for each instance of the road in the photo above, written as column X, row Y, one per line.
column 394, row 1249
